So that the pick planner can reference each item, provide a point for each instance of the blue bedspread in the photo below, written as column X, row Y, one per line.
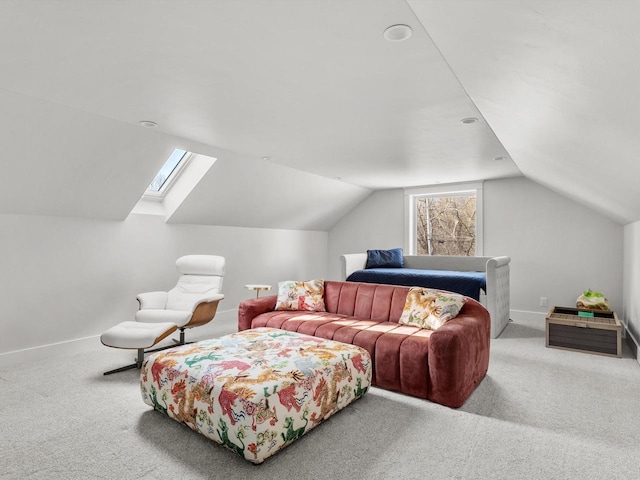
column 465, row 283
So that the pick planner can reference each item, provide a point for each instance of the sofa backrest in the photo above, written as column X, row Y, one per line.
column 365, row 300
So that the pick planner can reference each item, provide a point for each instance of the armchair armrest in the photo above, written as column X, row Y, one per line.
column 249, row 309
column 216, row 297
column 204, row 310
column 156, row 300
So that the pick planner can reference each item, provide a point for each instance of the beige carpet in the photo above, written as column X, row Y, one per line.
column 539, row 414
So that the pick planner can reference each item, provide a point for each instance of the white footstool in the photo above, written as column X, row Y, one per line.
column 136, row 335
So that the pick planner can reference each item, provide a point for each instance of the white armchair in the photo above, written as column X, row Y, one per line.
column 191, row 303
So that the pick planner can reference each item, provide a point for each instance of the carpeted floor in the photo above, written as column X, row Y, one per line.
column 539, row 414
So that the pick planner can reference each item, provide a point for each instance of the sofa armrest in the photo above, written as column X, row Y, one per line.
column 498, row 295
column 496, row 262
column 352, row 262
column 249, row 309
column 459, row 355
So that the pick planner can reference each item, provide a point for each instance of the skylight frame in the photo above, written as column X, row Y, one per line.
column 171, row 179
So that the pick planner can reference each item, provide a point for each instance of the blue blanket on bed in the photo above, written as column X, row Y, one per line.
column 464, row 283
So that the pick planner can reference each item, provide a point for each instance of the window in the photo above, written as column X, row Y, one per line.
column 446, row 225
column 168, row 173
column 444, row 220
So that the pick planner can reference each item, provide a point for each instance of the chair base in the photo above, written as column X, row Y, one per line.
column 142, row 351
column 181, row 340
column 138, row 364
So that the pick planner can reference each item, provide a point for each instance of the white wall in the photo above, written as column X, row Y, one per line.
column 67, row 278
column 558, row 248
column 631, row 293
column 377, row 222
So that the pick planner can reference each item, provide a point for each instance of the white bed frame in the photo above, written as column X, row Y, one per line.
column 496, row 299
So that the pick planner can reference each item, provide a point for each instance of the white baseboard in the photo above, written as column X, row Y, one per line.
column 633, row 341
column 42, row 352
column 225, row 322
column 526, row 315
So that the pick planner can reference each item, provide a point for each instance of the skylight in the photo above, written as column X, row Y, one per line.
column 174, row 182
column 168, row 170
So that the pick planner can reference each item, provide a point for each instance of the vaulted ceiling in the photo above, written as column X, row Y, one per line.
column 306, row 106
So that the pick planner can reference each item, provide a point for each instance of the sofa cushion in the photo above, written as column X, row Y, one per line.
column 426, row 308
column 368, row 301
column 392, row 258
column 306, row 296
column 399, row 352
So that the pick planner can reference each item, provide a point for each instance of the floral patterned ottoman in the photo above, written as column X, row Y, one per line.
column 258, row 390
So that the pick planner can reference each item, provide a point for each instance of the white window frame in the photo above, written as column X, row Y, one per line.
column 411, row 196
column 175, row 174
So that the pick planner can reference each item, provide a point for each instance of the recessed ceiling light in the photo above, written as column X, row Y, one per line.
column 148, row 123
column 397, row 33
column 266, row 157
column 469, row 120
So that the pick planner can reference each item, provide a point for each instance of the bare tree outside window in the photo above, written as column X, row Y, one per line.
column 167, row 170
column 446, row 225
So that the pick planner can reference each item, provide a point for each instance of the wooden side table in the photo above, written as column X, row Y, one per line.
column 258, row 288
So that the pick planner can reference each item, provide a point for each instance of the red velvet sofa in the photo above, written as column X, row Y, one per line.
column 443, row 366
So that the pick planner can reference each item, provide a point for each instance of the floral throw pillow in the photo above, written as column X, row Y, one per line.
column 430, row 309
column 301, row 295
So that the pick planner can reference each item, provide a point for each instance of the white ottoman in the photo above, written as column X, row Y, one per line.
column 136, row 335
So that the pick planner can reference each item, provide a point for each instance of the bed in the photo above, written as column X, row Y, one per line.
column 484, row 278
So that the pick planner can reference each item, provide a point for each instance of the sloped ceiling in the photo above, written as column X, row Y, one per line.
column 558, row 83
column 266, row 195
column 313, row 86
column 62, row 161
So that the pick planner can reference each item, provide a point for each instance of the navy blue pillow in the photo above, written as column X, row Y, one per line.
column 385, row 258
